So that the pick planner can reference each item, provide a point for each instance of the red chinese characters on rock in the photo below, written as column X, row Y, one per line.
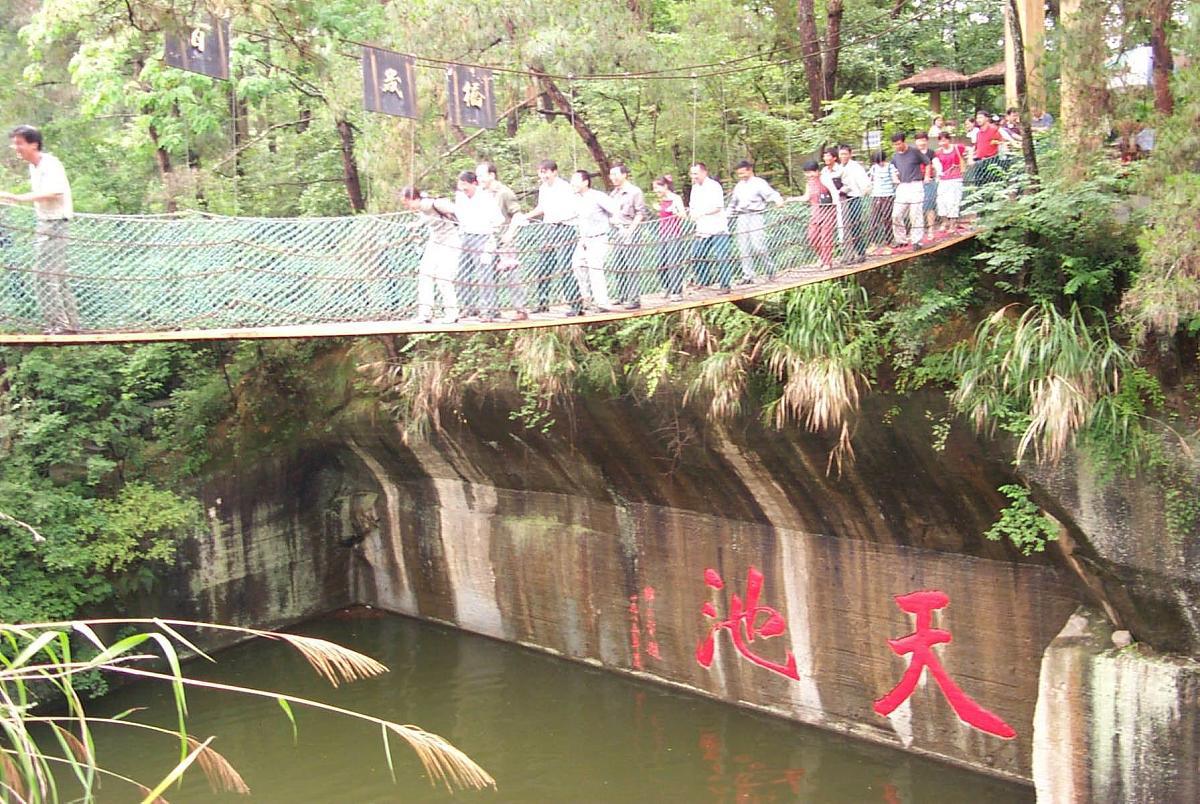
column 743, row 624
column 638, row 623
column 920, row 644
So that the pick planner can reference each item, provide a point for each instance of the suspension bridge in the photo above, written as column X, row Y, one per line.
column 195, row 276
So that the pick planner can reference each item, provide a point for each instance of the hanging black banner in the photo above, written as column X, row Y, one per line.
column 202, row 49
column 388, row 83
column 469, row 97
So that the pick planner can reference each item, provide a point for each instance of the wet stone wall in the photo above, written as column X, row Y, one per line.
column 723, row 561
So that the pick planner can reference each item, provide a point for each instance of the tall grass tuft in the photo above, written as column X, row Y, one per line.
column 1043, row 375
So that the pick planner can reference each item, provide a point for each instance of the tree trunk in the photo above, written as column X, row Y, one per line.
column 165, row 170
column 833, row 45
column 464, row 141
column 1085, row 112
column 810, row 50
column 305, row 117
column 1014, row 25
column 581, row 127
column 350, row 167
column 1160, row 49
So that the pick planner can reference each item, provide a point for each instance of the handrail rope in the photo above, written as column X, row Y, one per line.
column 336, row 251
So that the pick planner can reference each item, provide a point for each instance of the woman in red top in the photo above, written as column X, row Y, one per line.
column 949, row 162
column 671, row 251
column 822, row 194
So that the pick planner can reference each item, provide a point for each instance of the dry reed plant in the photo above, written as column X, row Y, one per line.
column 42, row 654
column 545, row 359
column 221, row 775
column 814, row 355
column 1047, row 372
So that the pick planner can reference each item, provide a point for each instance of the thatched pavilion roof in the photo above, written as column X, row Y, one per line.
column 989, row 76
column 934, row 78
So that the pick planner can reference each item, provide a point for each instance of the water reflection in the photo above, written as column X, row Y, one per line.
column 546, row 729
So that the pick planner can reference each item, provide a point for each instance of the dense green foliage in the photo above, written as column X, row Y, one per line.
column 100, row 451
column 83, row 465
column 1022, row 523
column 1165, row 299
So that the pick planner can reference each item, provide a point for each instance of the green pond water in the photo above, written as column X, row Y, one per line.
column 547, row 730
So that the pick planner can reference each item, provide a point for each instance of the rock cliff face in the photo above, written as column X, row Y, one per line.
column 1115, row 725
column 1139, row 543
column 627, row 536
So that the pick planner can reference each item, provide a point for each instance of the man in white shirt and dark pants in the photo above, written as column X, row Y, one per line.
column 748, row 206
column 856, row 186
column 711, row 248
column 50, row 194
column 479, row 218
column 557, row 207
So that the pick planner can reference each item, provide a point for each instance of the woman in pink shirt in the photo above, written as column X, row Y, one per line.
column 949, row 162
column 671, row 251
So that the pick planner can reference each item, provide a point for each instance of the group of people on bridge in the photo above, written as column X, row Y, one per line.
column 583, row 250
column 477, row 249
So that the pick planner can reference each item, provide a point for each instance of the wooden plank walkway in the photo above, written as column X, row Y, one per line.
column 652, row 304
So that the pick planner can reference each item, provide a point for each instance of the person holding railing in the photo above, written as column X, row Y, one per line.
column 440, row 260
column 631, row 211
column 949, row 162
column 671, row 213
column 929, row 204
column 50, row 194
column 831, row 176
column 856, row 189
column 711, row 247
column 507, row 264
column 556, row 207
column 479, row 219
column 595, row 213
column 825, row 201
column 913, row 169
column 748, row 206
column 884, row 179
column 987, row 148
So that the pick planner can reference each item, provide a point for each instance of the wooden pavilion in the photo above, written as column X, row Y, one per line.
column 936, row 80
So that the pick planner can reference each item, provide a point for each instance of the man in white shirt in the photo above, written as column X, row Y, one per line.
column 748, row 206
column 50, row 194
column 556, row 206
column 479, row 218
column 711, row 248
column 856, row 187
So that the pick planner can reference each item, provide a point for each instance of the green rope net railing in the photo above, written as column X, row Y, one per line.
column 138, row 274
